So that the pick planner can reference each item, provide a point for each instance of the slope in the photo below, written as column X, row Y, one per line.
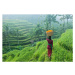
column 19, row 30
column 38, row 53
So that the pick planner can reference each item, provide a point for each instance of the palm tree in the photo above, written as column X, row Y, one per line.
column 63, row 17
column 68, row 16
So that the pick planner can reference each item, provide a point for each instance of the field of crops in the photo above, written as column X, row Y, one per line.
column 62, row 51
column 24, row 27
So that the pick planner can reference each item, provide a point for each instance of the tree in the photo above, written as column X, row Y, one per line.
column 63, row 20
column 38, row 31
column 46, row 25
column 63, row 17
column 68, row 16
column 49, row 19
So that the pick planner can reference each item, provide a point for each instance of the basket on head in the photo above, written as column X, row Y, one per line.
column 49, row 32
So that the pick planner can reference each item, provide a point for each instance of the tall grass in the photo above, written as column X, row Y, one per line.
column 66, row 40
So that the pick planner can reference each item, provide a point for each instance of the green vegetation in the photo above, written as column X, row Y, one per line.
column 66, row 40
column 62, row 51
column 24, row 37
column 19, row 33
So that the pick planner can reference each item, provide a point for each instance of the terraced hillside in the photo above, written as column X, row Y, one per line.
column 62, row 51
column 22, row 27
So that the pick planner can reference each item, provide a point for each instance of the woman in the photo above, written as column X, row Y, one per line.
column 49, row 47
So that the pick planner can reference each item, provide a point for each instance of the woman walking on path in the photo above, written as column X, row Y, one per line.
column 50, row 43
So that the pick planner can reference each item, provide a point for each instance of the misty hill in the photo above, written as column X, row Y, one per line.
column 36, row 18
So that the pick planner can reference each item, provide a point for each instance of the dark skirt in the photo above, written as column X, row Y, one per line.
column 49, row 52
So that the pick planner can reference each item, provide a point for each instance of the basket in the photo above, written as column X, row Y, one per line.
column 49, row 32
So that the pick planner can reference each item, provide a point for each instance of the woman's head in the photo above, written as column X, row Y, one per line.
column 49, row 37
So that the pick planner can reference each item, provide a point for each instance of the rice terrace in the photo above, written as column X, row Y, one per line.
column 24, row 37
